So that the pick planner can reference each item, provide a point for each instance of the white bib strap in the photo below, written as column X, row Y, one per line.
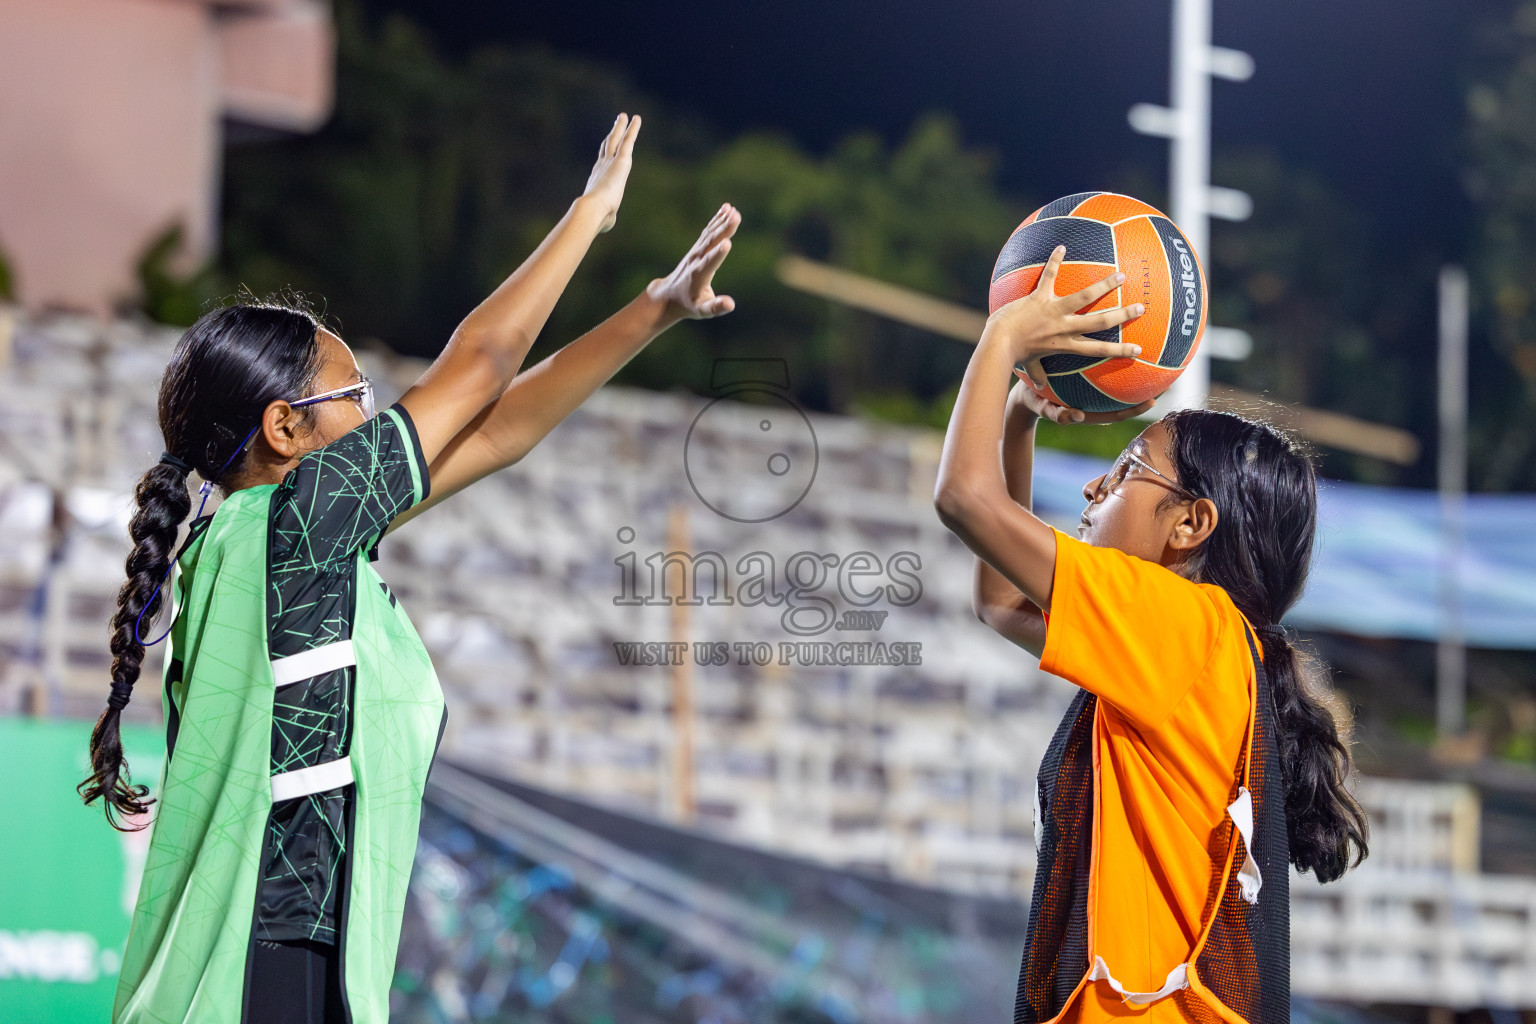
column 1248, row 877
column 314, row 779
column 1177, row 979
column 316, row 661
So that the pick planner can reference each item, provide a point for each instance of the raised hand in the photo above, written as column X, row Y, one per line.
column 615, row 156
column 689, row 290
column 1041, row 323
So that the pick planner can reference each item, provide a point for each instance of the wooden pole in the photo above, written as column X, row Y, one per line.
column 949, row 320
column 683, row 802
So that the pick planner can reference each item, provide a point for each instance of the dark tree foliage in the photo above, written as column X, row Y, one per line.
column 434, row 179
column 1501, row 179
column 1339, row 321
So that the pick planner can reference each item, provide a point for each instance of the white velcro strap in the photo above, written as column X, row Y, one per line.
column 317, row 661
column 1039, row 818
column 1177, row 979
column 314, row 779
column 1248, row 877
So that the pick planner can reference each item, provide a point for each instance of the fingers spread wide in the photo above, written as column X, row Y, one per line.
column 1093, row 293
column 1102, row 349
column 1047, row 283
column 1088, row 323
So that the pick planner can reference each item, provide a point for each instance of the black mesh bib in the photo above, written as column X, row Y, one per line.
column 1245, row 961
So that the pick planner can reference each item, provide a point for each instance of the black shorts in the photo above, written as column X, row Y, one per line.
column 294, row 983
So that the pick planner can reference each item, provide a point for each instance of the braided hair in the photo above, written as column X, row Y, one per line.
column 1265, row 491
column 226, row 369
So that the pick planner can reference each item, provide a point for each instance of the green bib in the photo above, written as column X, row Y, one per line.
column 192, row 927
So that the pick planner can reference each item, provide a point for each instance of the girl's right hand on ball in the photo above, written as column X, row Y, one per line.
column 1042, row 323
column 615, row 156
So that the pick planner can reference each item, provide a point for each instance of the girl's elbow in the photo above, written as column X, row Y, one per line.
column 983, row 612
column 954, row 504
column 492, row 358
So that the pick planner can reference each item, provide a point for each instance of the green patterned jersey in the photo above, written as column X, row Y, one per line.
column 337, row 502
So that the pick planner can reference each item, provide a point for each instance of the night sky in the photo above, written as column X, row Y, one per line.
column 1366, row 95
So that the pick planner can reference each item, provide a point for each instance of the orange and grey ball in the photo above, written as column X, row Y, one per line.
column 1102, row 232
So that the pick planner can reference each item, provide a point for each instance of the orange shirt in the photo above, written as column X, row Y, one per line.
column 1169, row 662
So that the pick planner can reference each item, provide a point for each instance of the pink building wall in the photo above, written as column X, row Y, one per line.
column 110, row 115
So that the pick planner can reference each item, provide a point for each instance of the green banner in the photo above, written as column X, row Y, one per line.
column 69, row 880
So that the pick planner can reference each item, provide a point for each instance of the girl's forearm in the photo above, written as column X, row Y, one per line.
column 539, row 398
column 1018, row 472
column 489, row 346
column 508, row 320
column 972, row 495
column 971, row 467
column 545, row 394
column 505, row 425
column 996, row 601
column 1019, row 452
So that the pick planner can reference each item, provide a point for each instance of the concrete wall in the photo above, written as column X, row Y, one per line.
column 110, row 127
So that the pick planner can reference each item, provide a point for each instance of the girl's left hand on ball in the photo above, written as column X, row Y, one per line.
column 689, row 290
column 1035, row 402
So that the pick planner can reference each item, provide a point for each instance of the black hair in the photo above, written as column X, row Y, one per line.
column 1265, row 490
column 226, row 369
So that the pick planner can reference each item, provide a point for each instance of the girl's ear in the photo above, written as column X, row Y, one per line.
column 1194, row 525
column 282, row 427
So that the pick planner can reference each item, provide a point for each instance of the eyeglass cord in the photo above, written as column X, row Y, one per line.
column 205, row 490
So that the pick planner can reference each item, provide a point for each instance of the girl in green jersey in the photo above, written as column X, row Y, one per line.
column 302, row 712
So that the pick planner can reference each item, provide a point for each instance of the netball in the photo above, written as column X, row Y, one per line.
column 1103, row 232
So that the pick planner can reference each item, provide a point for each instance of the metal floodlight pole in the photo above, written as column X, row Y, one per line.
column 1451, row 651
column 1187, row 127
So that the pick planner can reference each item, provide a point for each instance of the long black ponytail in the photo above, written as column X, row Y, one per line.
column 1265, row 491
column 227, row 368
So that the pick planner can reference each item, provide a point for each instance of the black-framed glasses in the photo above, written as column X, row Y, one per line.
column 1121, row 469
column 361, row 392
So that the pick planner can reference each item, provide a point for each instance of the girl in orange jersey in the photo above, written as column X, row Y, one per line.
column 1199, row 760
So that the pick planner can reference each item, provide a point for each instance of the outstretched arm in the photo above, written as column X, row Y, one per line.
column 489, row 346
column 540, row 398
column 972, row 494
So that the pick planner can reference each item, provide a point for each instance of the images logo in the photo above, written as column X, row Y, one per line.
column 861, row 579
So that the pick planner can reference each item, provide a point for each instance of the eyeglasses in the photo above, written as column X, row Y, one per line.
column 1122, row 467
column 361, row 392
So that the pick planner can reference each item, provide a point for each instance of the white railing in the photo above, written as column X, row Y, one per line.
column 1392, row 936
column 1421, row 826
